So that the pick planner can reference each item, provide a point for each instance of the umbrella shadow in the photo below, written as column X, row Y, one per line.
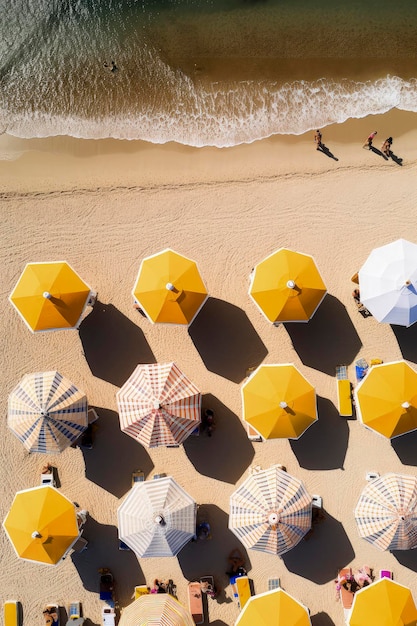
column 328, row 339
column 113, row 345
column 407, row 341
column 101, row 465
column 226, row 341
column 408, row 558
column 321, row 619
column 228, row 453
column 324, row 444
column 327, row 549
column 210, row 556
column 103, row 551
column 405, row 447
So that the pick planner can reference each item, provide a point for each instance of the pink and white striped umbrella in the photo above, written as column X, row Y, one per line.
column 158, row 405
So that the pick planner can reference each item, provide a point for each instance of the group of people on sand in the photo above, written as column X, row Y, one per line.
column 353, row 582
column 385, row 148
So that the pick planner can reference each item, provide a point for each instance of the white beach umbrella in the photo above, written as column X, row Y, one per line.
column 157, row 518
column 386, row 513
column 47, row 412
column 270, row 511
column 388, row 283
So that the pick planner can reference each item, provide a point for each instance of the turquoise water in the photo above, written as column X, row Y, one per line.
column 202, row 72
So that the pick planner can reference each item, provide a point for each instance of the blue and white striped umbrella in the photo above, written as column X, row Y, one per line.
column 47, row 412
column 157, row 518
column 270, row 511
column 386, row 513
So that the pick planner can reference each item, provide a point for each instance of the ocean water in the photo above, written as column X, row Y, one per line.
column 202, row 72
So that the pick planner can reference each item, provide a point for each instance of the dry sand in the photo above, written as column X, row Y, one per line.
column 103, row 206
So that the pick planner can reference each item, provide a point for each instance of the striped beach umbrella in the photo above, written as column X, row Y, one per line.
column 287, row 286
column 152, row 610
column 279, row 402
column 51, row 296
column 386, row 512
column 273, row 608
column 47, row 412
column 157, row 518
column 41, row 525
column 388, row 283
column 386, row 399
column 158, row 405
column 271, row 511
column 169, row 288
column 384, row 603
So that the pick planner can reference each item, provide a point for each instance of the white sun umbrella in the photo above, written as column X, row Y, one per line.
column 157, row 518
column 270, row 511
column 388, row 283
column 386, row 513
column 47, row 412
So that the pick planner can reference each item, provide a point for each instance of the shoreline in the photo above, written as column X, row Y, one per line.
column 66, row 163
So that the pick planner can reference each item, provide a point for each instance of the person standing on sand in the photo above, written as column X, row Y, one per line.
column 317, row 139
column 368, row 142
column 386, row 146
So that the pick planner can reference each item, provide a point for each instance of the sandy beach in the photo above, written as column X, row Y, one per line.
column 103, row 206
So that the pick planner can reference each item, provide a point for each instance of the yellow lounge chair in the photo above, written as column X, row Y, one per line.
column 344, row 392
column 243, row 590
column 11, row 612
column 141, row 590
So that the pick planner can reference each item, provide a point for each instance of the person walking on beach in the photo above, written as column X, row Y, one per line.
column 368, row 142
column 386, row 146
column 317, row 139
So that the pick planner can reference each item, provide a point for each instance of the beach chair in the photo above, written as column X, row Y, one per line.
column 48, row 475
column 141, row 590
column 386, row 573
column 156, row 476
column 138, row 477
column 274, row 583
column 11, row 613
column 195, row 602
column 108, row 616
column 252, row 433
column 243, row 590
column 371, row 476
column 346, row 596
column 344, row 392
column 317, row 502
column 74, row 614
column 106, row 586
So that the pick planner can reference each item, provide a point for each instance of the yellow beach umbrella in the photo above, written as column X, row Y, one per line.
column 279, row 402
column 169, row 288
column 153, row 610
column 50, row 296
column 386, row 399
column 383, row 603
column 287, row 286
column 273, row 608
column 41, row 525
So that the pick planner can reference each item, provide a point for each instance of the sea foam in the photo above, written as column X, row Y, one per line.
column 225, row 114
